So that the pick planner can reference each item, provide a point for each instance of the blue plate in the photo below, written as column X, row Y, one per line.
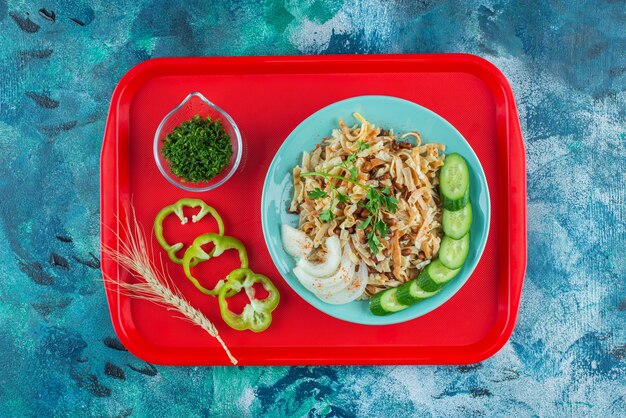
column 389, row 113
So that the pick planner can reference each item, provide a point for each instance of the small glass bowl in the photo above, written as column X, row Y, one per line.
column 196, row 104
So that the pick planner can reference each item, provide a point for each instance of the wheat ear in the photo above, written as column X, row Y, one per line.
column 157, row 286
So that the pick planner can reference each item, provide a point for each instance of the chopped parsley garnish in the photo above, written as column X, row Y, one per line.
column 342, row 197
column 377, row 200
column 197, row 150
column 362, row 146
column 317, row 193
column 327, row 215
column 364, row 224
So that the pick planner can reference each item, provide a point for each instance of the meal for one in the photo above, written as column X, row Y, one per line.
column 380, row 218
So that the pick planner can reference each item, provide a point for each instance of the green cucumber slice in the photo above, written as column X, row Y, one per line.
column 453, row 252
column 454, row 182
column 434, row 276
column 410, row 293
column 385, row 303
column 457, row 223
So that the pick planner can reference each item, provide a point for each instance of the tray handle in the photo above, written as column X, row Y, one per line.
column 517, row 220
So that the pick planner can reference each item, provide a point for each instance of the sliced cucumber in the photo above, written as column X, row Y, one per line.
column 454, row 182
column 434, row 276
column 385, row 303
column 457, row 223
column 410, row 293
column 453, row 252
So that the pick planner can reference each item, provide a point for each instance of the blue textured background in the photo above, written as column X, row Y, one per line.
column 567, row 65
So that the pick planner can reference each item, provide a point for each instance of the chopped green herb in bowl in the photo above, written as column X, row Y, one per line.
column 197, row 150
column 197, row 146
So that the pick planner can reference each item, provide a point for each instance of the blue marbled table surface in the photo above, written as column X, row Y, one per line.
column 566, row 62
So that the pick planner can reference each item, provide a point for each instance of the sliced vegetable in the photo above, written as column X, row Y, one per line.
column 177, row 209
column 386, row 302
column 454, row 182
column 434, row 276
column 221, row 244
column 330, row 265
column 453, row 252
column 457, row 223
column 257, row 314
column 296, row 242
column 410, row 293
column 327, row 285
column 353, row 290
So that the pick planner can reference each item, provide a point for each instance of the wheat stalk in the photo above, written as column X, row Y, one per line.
column 157, row 286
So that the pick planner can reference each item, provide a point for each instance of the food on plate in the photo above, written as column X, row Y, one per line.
column 257, row 313
column 177, row 209
column 435, row 275
column 386, row 220
column 454, row 186
column 386, row 302
column 337, row 279
column 197, row 150
column 411, row 293
column 256, row 316
column 377, row 195
column 329, row 265
column 453, row 252
column 296, row 242
column 454, row 248
column 221, row 244
column 457, row 223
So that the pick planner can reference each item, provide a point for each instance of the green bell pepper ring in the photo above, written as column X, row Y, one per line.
column 195, row 252
column 256, row 315
column 177, row 209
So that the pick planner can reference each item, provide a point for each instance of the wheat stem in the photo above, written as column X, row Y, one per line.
column 157, row 286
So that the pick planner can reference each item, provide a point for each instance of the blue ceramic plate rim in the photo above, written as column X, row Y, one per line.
column 310, row 133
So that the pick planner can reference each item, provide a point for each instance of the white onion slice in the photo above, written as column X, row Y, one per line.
column 296, row 242
column 328, row 285
column 330, row 265
column 350, row 292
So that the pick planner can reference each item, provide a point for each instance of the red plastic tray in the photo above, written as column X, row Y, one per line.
column 268, row 97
